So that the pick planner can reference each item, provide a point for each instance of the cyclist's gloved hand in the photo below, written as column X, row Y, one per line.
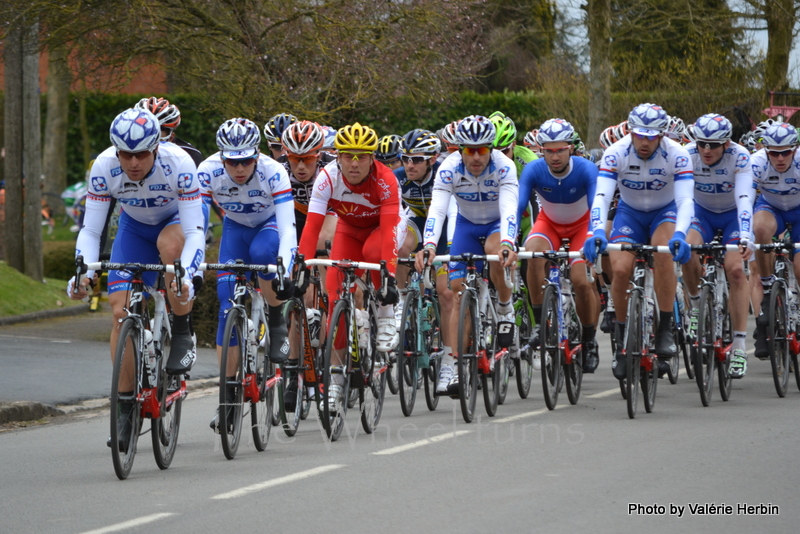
column 288, row 288
column 300, row 290
column 590, row 246
column 392, row 296
column 187, row 290
column 680, row 249
column 748, row 247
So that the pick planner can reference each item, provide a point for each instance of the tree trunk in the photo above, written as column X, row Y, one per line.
column 55, row 134
column 32, row 156
column 598, row 21
column 780, row 16
column 12, row 121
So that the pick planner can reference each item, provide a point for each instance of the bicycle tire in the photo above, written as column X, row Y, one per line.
column 294, row 314
column 573, row 373
column 433, row 347
column 490, row 381
column 261, row 411
column 505, row 377
column 796, row 370
column 677, row 334
column 550, row 347
column 230, row 436
column 524, row 362
column 408, row 354
column 650, row 378
column 129, row 336
column 687, row 342
column 634, row 348
column 467, row 356
column 705, row 357
column 374, row 367
column 724, row 368
column 778, row 338
column 164, row 430
column 391, row 377
column 340, row 327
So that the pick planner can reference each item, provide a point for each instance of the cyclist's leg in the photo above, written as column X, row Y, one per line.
column 665, row 284
column 542, row 237
column 587, row 300
column 767, row 222
column 371, row 252
column 739, row 297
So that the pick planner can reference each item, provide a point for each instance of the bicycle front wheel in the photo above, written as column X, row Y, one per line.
column 778, row 338
column 634, row 348
column 164, row 430
column 468, row 356
column 261, row 411
column 705, row 357
column 524, row 361
column 291, row 372
column 340, row 333
column 650, row 376
column 724, row 366
column 374, row 369
column 574, row 371
column 677, row 333
column 231, row 391
column 408, row 354
column 433, row 348
column 492, row 377
column 123, row 451
column 550, row 341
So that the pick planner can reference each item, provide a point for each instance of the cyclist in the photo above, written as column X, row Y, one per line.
column 169, row 117
column 505, row 141
column 654, row 176
column 530, row 141
column 273, row 130
column 484, row 184
column 723, row 197
column 565, row 185
column 776, row 171
column 389, row 150
column 161, row 221
column 420, row 151
column 366, row 198
column 330, row 138
column 449, row 140
column 254, row 191
column 675, row 129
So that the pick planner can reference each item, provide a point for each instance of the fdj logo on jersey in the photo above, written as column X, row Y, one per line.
column 681, row 161
column 655, row 185
column 99, row 183
column 512, row 225
column 185, row 180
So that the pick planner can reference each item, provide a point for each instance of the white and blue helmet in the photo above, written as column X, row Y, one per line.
column 648, row 119
column 238, row 139
column 712, row 127
column 555, row 130
column 330, row 136
column 475, row 130
column 135, row 130
column 780, row 134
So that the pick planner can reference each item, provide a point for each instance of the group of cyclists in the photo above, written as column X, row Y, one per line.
column 468, row 188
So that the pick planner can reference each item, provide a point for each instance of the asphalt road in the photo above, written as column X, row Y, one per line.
column 585, row 467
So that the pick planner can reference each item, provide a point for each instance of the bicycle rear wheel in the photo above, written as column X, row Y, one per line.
column 650, row 377
column 261, row 411
column 551, row 352
column 705, row 358
column 294, row 313
column 231, row 406
column 408, row 354
column 778, row 338
column 468, row 356
column 433, row 348
column 164, row 429
column 724, row 367
column 343, row 333
column 374, row 368
column 634, row 347
column 677, row 333
column 490, row 381
column 524, row 361
column 123, row 453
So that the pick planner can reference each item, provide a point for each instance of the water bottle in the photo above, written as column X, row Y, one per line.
column 314, row 318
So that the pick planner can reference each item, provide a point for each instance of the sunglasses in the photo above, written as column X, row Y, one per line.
column 275, row 146
column 472, row 150
column 307, row 159
column 782, row 153
column 507, row 150
column 352, row 156
column 127, row 156
column 416, row 160
column 648, row 137
column 243, row 162
column 709, row 146
column 554, row 151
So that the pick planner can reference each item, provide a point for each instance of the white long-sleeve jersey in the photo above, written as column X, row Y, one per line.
column 779, row 189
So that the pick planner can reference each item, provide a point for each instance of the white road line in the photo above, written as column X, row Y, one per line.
column 606, row 393
column 130, row 524
column 524, row 415
column 277, row 482
column 421, row 443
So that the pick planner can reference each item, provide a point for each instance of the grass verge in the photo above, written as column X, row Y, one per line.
column 20, row 294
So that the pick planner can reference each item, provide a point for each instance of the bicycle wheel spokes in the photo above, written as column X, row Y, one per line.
column 125, row 409
column 492, row 381
column 338, row 347
column 433, row 348
column 164, row 430
column 551, row 351
column 705, row 356
column 260, row 412
column 574, row 371
column 724, row 366
column 634, row 347
column 231, row 391
column 524, row 361
column 408, row 354
column 467, row 356
column 650, row 371
column 290, row 370
column 778, row 338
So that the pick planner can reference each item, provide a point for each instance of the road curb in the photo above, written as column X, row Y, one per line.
column 19, row 411
column 44, row 314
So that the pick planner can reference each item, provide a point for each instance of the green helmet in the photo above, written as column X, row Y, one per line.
column 506, row 130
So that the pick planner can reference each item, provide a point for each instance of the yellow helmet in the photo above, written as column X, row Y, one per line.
column 356, row 137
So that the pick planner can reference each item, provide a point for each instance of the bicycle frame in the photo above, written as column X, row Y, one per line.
column 784, row 276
